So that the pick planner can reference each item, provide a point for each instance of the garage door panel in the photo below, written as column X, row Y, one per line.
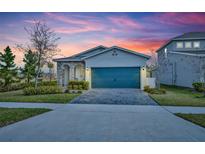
column 119, row 77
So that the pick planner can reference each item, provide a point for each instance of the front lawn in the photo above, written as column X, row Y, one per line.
column 177, row 96
column 17, row 96
column 198, row 119
column 12, row 115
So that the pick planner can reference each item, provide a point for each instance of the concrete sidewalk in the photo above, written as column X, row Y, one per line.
column 95, row 122
column 185, row 109
column 31, row 105
column 53, row 106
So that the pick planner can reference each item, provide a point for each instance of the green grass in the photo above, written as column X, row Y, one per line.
column 12, row 115
column 17, row 96
column 177, row 96
column 198, row 119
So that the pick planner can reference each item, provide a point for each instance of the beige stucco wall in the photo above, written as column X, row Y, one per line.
column 143, row 77
column 88, row 76
column 116, row 58
column 146, row 81
column 79, row 73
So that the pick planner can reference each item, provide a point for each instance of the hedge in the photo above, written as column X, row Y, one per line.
column 42, row 90
column 19, row 86
column 78, row 85
column 199, row 86
column 16, row 86
column 44, row 83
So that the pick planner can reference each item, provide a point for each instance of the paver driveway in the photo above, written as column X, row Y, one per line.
column 114, row 96
column 102, row 122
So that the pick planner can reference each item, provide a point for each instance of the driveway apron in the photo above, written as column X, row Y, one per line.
column 114, row 96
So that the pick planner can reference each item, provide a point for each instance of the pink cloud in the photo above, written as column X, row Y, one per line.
column 125, row 21
column 74, row 30
column 10, row 38
column 80, row 25
column 69, row 19
column 86, row 24
column 180, row 19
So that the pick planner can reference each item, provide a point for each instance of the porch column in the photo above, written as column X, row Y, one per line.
column 88, row 76
column 72, row 72
column 66, row 71
column 60, row 76
column 143, row 77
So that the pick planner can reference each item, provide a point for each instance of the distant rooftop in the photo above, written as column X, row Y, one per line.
column 191, row 35
column 185, row 36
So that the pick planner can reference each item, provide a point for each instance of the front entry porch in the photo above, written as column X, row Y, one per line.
column 70, row 71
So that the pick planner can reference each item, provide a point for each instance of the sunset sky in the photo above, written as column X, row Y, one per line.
column 79, row 31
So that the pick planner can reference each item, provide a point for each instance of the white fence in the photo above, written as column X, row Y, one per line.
column 151, row 82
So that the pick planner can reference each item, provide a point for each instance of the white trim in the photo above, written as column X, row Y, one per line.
column 116, row 47
column 188, row 54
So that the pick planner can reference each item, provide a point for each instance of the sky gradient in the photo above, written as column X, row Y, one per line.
column 141, row 32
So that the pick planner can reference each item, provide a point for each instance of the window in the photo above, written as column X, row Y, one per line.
column 180, row 45
column 188, row 45
column 196, row 44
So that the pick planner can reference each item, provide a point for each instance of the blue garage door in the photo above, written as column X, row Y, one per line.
column 116, row 77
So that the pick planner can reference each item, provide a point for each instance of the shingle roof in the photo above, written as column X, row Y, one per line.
column 95, row 51
column 120, row 48
column 191, row 35
column 77, row 57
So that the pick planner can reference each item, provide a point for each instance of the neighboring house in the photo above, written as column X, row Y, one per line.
column 182, row 60
column 104, row 67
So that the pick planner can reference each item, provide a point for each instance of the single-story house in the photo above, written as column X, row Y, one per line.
column 182, row 60
column 104, row 67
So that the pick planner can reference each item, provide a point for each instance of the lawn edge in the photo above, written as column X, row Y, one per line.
column 48, row 110
column 174, row 104
column 189, row 120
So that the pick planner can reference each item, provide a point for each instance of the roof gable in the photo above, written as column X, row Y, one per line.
column 119, row 48
column 89, row 51
column 77, row 57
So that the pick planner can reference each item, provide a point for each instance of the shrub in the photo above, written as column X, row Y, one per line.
column 15, row 86
column 42, row 90
column 1, row 83
column 154, row 90
column 44, row 83
column 198, row 86
column 19, row 86
column 78, row 85
column 146, row 88
column 48, row 83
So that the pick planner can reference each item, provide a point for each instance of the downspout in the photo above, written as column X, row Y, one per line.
column 201, row 70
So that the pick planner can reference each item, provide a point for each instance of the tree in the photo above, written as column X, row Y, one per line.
column 8, row 69
column 44, row 43
column 50, row 66
column 29, row 70
column 153, row 66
